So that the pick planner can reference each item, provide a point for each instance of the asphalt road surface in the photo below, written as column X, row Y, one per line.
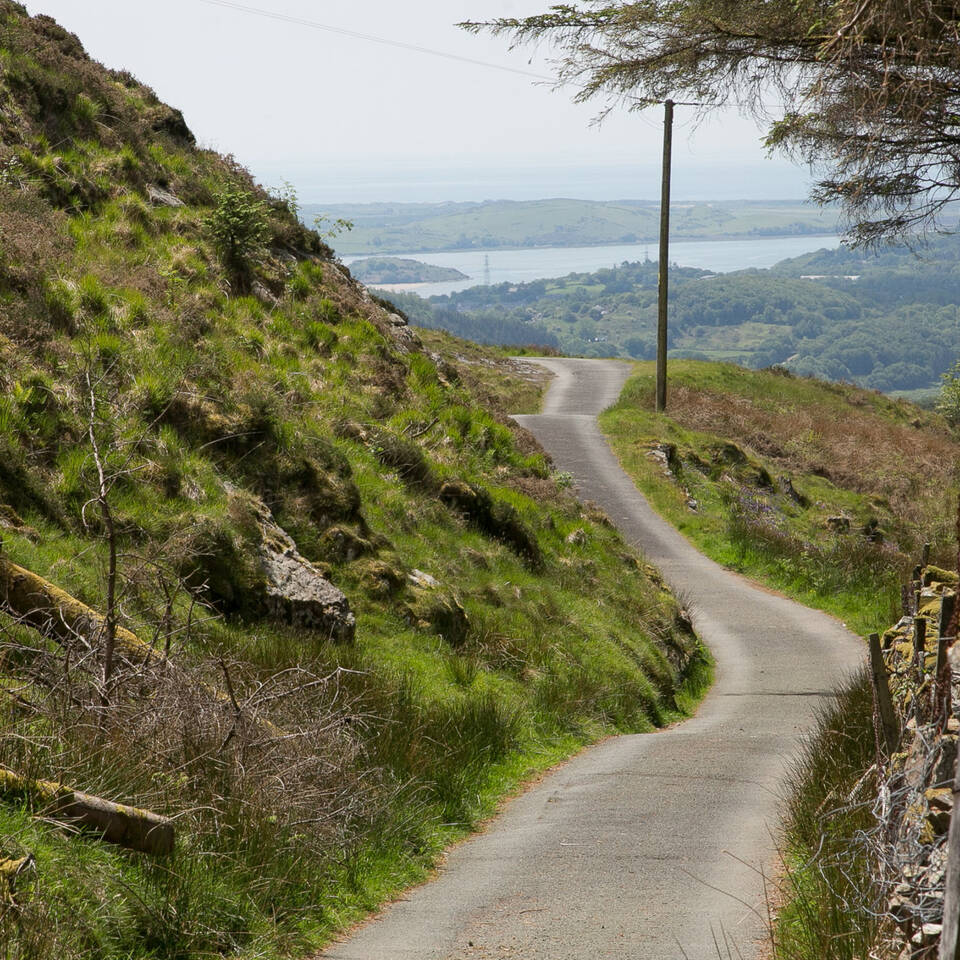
column 648, row 847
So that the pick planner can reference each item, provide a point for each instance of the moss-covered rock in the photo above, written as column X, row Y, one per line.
column 341, row 544
column 729, row 453
column 379, row 577
column 493, row 517
column 437, row 610
column 932, row 574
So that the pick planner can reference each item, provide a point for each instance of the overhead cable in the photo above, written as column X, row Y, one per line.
column 356, row 35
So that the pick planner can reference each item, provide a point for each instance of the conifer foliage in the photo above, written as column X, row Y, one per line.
column 866, row 92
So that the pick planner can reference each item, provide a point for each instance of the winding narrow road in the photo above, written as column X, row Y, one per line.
column 645, row 847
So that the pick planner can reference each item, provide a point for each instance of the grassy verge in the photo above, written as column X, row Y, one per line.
column 831, row 906
column 822, row 491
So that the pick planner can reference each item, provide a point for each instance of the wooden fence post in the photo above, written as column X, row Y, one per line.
column 949, row 941
column 881, row 696
column 943, row 689
column 947, row 604
column 920, row 644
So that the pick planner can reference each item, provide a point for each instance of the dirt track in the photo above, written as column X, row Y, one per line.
column 645, row 847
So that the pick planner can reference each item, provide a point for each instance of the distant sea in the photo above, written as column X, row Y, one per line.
column 541, row 263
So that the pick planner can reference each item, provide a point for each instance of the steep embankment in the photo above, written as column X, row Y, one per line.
column 823, row 490
column 349, row 605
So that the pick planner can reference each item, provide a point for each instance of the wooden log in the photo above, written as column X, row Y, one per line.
column 44, row 606
column 53, row 612
column 881, row 696
column 114, row 822
column 925, row 558
column 10, row 869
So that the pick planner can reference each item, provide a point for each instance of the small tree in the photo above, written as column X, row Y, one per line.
column 117, row 454
column 238, row 226
column 331, row 229
column 949, row 401
column 101, row 499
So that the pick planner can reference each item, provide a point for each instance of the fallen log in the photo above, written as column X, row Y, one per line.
column 53, row 612
column 44, row 606
column 116, row 823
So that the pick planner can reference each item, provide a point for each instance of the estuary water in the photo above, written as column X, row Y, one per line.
column 541, row 263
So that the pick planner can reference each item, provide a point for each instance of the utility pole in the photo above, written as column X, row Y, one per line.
column 662, row 287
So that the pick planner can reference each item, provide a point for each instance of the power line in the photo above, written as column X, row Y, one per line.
column 402, row 45
column 356, row 35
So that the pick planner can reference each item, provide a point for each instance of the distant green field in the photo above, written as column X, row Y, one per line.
column 420, row 227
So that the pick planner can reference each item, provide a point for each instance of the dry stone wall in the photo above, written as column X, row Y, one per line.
column 917, row 700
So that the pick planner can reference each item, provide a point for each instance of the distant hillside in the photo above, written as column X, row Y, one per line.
column 408, row 228
column 388, row 270
column 895, row 327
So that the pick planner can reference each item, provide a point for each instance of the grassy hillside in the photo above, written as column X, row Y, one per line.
column 822, row 490
column 410, row 227
column 184, row 366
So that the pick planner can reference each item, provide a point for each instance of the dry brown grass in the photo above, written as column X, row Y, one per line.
column 849, row 443
column 272, row 757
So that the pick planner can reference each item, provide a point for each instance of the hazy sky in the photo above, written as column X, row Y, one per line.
column 345, row 118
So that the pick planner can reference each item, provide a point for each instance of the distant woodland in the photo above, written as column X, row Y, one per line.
column 890, row 321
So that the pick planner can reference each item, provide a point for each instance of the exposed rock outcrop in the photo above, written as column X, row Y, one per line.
column 162, row 198
column 295, row 589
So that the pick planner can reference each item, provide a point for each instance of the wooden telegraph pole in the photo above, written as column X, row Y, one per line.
column 664, row 258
